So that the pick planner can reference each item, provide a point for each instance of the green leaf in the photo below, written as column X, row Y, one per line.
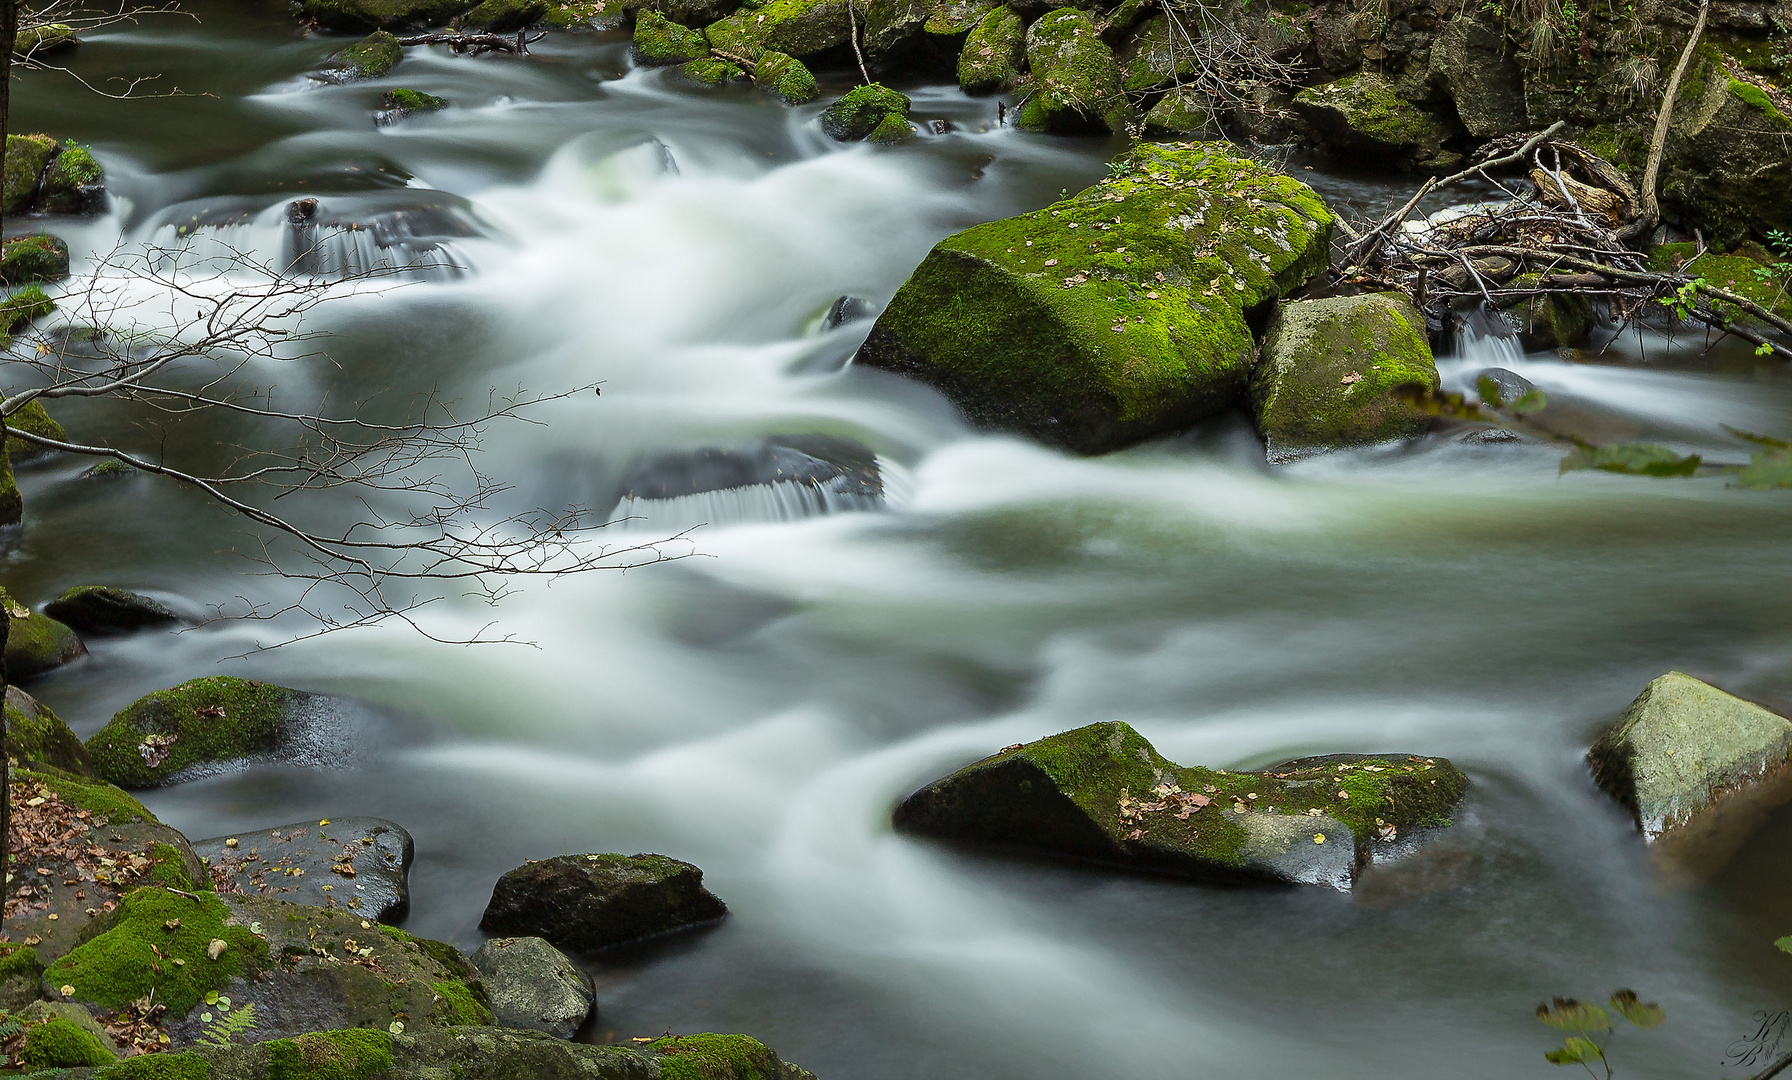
column 1576, row 1051
column 1635, row 459
column 1767, row 469
column 1784, row 944
column 1533, row 401
column 1644, row 1014
column 1567, row 1014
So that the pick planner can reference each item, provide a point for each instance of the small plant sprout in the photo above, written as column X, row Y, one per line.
column 1589, row 1028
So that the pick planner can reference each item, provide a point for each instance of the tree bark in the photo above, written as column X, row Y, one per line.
column 9, row 33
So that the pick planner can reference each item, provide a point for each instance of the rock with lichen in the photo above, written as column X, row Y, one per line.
column 994, row 53
column 874, row 112
column 1343, row 371
column 534, row 986
column 1076, row 80
column 74, row 183
column 585, row 902
column 373, row 57
column 1364, row 116
column 1102, row 794
column 660, row 41
column 35, row 41
column 1116, row 314
column 27, row 156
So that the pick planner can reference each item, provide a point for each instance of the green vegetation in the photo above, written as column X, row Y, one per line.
column 43, row 737
column 29, row 259
column 1635, row 459
column 330, row 1055
column 187, row 1066
column 458, row 1005
column 785, row 76
column 35, row 643
column 1589, row 1028
column 210, row 719
column 96, row 797
column 373, row 57
column 706, row 1057
column 659, row 40
column 405, row 101
column 160, row 941
column 63, row 1044
column 711, row 72
column 863, row 110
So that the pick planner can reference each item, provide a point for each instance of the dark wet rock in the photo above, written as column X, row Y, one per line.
column 534, row 986
column 29, row 259
column 37, row 737
column 873, row 112
column 356, row 864
column 1076, row 78
column 465, row 1053
column 1343, row 371
column 1550, row 320
column 32, row 418
column 382, row 14
column 786, row 76
column 36, row 643
column 407, row 228
column 1726, row 165
column 1364, row 116
column 1102, row 794
column 847, row 309
column 660, row 41
column 1696, row 768
column 101, row 609
column 1505, row 389
column 505, row 16
column 1038, row 323
column 1184, row 112
column 1480, row 72
column 585, row 902
column 838, row 466
column 994, row 53
column 218, row 724
column 373, row 57
column 282, row 969
column 1491, row 437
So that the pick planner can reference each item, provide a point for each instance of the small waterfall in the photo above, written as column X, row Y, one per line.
column 1484, row 339
column 781, row 478
column 308, row 237
column 755, row 504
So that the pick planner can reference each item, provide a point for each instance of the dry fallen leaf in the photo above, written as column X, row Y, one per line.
column 216, row 948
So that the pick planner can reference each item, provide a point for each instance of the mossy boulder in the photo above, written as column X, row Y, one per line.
column 1156, row 56
column 362, row 15
column 21, row 977
column 36, row 643
column 1076, row 80
column 1117, row 314
column 993, row 53
column 463, row 1053
column 785, row 76
column 533, row 985
column 660, row 41
column 1364, row 116
column 1746, row 271
column 1344, row 371
column 27, row 260
column 32, row 418
column 1697, row 769
column 22, row 307
column 956, row 18
column 1726, row 168
column 401, row 103
column 585, row 902
column 1184, row 113
column 794, row 27
column 74, row 183
column 711, row 71
column 206, row 726
column 505, row 16
column 373, row 57
column 35, row 41
column 102, row 609
column 861, row 112
column 360, row 865
column 27, row 156
column 1102, row 794
column 63, row 1037
column 37, row 737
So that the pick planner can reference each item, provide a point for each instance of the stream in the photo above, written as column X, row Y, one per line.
column 758, row 707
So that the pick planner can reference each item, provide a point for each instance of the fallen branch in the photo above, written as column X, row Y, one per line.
column 475, row 43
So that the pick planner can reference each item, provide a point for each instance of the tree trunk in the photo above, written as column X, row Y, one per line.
column 9, row 33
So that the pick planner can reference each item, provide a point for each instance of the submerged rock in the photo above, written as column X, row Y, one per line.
column 36, row 736
column 1344, row 371
column 873, row 112
column 1503, row 389
column 660, row 41
column 36, row 643
column 1076, row 80
column 839, row 466
column 101, row 609
column 1102, row 794
column 373, row 57
column 1364, row 115
column 1696, row 768
column 1042, row 324
column 534, row 986
column 212, row 725
column 994, row 53
column 846, row 309
column 585, row 902
column 357, row 864
column 27, row 260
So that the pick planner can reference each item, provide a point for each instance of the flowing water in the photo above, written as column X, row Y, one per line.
column 759, row 707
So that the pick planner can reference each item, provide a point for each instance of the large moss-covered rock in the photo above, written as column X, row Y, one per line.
column 1697, row 769
column 1102, row 794
column 660, row 41
column 32, row 418
column 37, row 737
column 1117, row 314
column 1726, row 165
column 1479, row 70
column 27, row 260
column 383, row 14
column 505, row 16
column 1363, row 115
column 205, row 726
column 1184, row 113
column 74, row 183
column 584, row 902
column 785, row 76
column 1076, row 80
column 863, row 111
column 1344, row 371
column 463, row 1053
column 27, row 156
column 533, row 985
column 373, row 57
column 63, row 1036
column 1157, row 55
column 794, row 27
column 993, row 53
column 36, row 643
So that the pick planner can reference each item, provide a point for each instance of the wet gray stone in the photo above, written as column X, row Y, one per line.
column 356, row 864
column 533, row 985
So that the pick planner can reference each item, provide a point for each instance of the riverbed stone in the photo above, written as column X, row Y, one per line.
column 661, row 42
column 356, row 864
column 27, row 260
column 1076, row 80
column 1343, row 371
column 211, row 725
column 74, row 183
column 1363, row 115
column 31, row 417
column 1696, row 768
column 505, row 16
column 37, row 737
column 27, row 156
column 102, row 609
column 373, row 57
column 585, row 902
column 994, row 53
column 863, row 111
column 1478, row 69
column 1041, row 324
column 1103, row 794
column 533, row 985
column 36, row 643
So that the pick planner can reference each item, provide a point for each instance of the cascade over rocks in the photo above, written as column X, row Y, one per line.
column 356, row 864
column 534, row 986
column 1102, row 794
column 585, row 902
column 1696, row 768
column 1117, row 314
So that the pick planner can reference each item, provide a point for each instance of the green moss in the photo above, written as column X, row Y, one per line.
column 1738, row 274
column 372, row 57
column 32, row 417
column 458, row 1005
column 63, row 1044
column 1369, row 107
column 660, row 41
column 796, row 27
column 330, row 1055
column 152, row 929
column 45, row 39
column 1156, row 57
column 991, row 60
column 43, row 738
column 711, row 72
column 26, row 158
column 786, row 76
column 382, row 14
column 169, row 868
column 12, row 504
column 413, row 101
column 30, row 259
column 74, row 168
column 715, row 1057
column 97, row 798
column 505, row 16
column 23, row 307
column 19, row 961
column 891, row 130
column 585, row 14
column 35, row 643
column 1754, row 97
column 1076, row 79
column 211, row 719
column 185, row 1066
column 861, row 110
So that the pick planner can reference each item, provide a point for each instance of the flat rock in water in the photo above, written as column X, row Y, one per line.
column 357, row 864
column 1697, row 768
column 1102, row 794
column 101, row 609
column 585, row 902
column 533, row 985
